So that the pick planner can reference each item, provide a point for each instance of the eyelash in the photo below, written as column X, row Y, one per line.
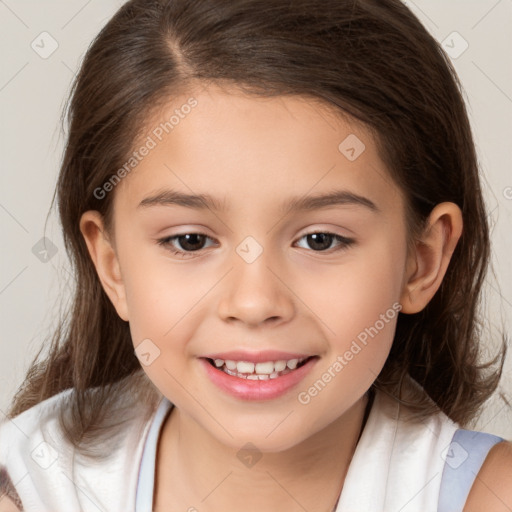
column 166, row 242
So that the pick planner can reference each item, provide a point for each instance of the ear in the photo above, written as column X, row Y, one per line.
column 105, row 260
column 428, row 261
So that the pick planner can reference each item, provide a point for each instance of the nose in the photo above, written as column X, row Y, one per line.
column 255, row 294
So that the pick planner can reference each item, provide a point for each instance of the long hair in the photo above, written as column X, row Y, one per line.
column 370, row 59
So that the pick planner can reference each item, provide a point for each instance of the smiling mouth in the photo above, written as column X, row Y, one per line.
column 258, row 371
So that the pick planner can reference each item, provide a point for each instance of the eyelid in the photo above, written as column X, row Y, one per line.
column 327, row 231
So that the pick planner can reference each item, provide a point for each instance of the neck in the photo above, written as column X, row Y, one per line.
column 195, row 470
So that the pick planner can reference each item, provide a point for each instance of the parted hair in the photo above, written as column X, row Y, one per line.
column 369, row 59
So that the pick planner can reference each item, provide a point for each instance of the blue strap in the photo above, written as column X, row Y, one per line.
column 146, row 482
column 463, row 459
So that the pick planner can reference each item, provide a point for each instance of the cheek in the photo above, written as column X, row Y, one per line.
column 164, row 304
column 353, row 295
column 160, row 295
column 359, row 308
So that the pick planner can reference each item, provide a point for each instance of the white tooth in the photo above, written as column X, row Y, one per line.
column 274, row 375
column 292, row 364
column 263, row 377
column 229, row 372
column 252, row 377
column 244, row 367
column 279, row 366
column 264, row 368
column 219, row 362
column 230, row 365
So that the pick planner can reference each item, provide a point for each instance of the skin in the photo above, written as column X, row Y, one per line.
column 7, row 505
column 254, row 154
column 491, row 489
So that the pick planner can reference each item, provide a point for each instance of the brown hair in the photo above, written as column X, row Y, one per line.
column 371, row 59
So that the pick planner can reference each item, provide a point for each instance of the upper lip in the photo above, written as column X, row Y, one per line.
column 257, row 357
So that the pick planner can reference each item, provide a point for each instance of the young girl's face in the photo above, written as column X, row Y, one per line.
column 254, row 280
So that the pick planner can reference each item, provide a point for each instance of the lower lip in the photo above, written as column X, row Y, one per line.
column 247, row 389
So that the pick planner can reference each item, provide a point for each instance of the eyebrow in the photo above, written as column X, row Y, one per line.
column 303, row 203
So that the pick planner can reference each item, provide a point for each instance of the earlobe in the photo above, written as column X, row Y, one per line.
column 428, row 262
column 105, row 260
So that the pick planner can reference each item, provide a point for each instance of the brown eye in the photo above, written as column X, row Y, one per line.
column 185, row 243
column 322, row 241
column 191, row 241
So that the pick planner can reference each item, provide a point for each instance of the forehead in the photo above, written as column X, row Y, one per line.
column 236, row 146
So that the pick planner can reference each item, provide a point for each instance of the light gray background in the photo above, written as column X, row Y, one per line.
column 32, row 93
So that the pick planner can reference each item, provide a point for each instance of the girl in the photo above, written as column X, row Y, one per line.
column 278, row 234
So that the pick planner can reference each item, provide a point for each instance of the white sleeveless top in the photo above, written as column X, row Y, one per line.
column 397, row 465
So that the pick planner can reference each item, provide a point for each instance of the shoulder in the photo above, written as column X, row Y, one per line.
column 16, row 442
column 492, row 488
column 28, row 422
column 127, row 413
column 35, row 443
